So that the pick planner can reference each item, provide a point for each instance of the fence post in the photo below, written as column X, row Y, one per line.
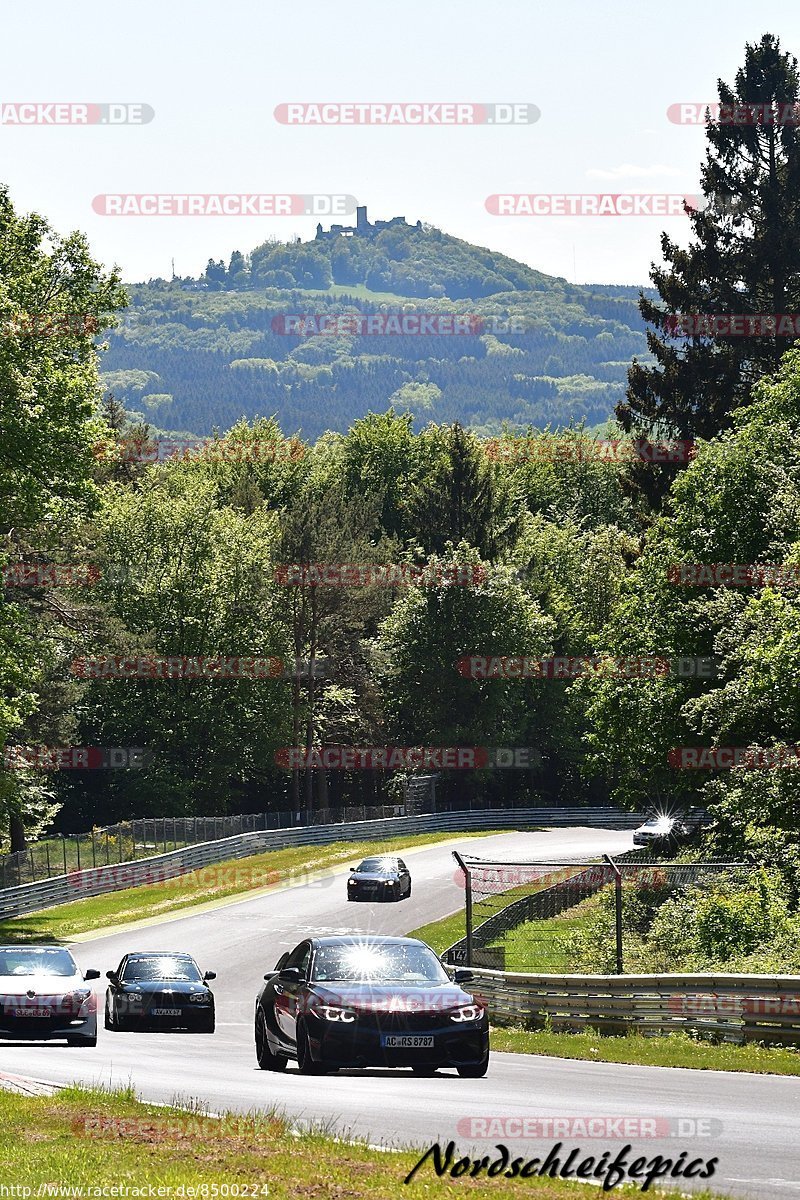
column 47, row 856
column 617, row 909
column 64, row 848
column 467, row 905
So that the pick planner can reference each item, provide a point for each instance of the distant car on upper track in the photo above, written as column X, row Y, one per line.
column 660, row 830
column 43, row 996
column 379, row 878
column 366, row 1001
column 161, row 989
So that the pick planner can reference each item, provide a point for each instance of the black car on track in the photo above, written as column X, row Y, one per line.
column 159, row 989
column 379, row 878
column 367, row 1001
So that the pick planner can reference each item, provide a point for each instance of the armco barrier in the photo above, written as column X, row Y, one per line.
column 741, row 1008
column 31, row 897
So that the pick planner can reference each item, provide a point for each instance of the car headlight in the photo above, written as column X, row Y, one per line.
column 199, row 998
column 331, row 1012
column 78, row 998
column 352, row 882
column 469, row 1012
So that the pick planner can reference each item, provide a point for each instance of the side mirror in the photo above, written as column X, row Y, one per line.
column 209, row 975
column 290, row 975
column 463, row 975
column 112, row 975
column 92, row 974
column 354, row 868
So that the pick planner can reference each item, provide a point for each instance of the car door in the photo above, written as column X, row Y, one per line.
column 288, row 995
column 405, row 877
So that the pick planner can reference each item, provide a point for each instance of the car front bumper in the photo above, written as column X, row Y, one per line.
column 46, row 1029
column 361, row 1045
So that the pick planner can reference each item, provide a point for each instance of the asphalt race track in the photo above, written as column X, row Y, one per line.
column 754, row 1121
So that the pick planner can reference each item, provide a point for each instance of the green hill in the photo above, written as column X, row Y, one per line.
column 192, row 355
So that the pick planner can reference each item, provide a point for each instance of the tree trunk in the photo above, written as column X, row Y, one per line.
column 16, row 832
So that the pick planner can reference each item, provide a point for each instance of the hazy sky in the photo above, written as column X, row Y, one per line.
column 602, row 75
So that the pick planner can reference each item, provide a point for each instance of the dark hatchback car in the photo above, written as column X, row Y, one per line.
column 385, row 878
column 159, row 989
column 369, row 1002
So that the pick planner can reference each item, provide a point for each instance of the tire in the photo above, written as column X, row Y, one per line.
column 209, row 1025
column 107, row 1023
column 82, row 1041
column 267, row 1061
column 408, row 893
column 305, row 1063
column 474, row 1070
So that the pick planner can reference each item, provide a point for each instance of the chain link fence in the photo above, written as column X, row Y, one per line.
column 565, row 916
column 131, row 840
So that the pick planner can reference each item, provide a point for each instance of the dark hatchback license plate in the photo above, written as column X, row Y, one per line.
column 165, row 1012
column 407, row 1041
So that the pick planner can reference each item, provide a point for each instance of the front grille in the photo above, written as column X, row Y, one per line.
column 401, row 1022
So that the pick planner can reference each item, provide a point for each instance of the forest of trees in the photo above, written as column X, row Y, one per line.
column 569, row 552
column 194, row 356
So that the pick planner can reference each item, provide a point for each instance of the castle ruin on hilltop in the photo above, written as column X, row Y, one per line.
column 363, row 227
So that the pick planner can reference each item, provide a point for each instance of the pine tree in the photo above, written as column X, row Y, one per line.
column 744, row 259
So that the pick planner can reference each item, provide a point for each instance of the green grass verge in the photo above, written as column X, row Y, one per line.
column 671, row 1050
column 542, row 946
column 217, row 882
column 95, row 1139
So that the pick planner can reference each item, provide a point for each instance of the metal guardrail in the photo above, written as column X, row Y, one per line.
column 76, row 885
column 740, row 1008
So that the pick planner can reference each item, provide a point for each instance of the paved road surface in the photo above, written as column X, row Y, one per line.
column 758, row 1144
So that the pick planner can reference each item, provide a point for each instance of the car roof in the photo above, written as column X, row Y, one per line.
column 157, row 954
column 368, row 940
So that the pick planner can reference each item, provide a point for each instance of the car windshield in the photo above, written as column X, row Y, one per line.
column 37, row 962
column 150, row 969
column 378, row 866
column 375, row 963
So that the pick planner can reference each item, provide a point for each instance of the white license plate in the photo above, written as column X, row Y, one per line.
column 32, row 1012
column 165, row 1012
column 408, row 1041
